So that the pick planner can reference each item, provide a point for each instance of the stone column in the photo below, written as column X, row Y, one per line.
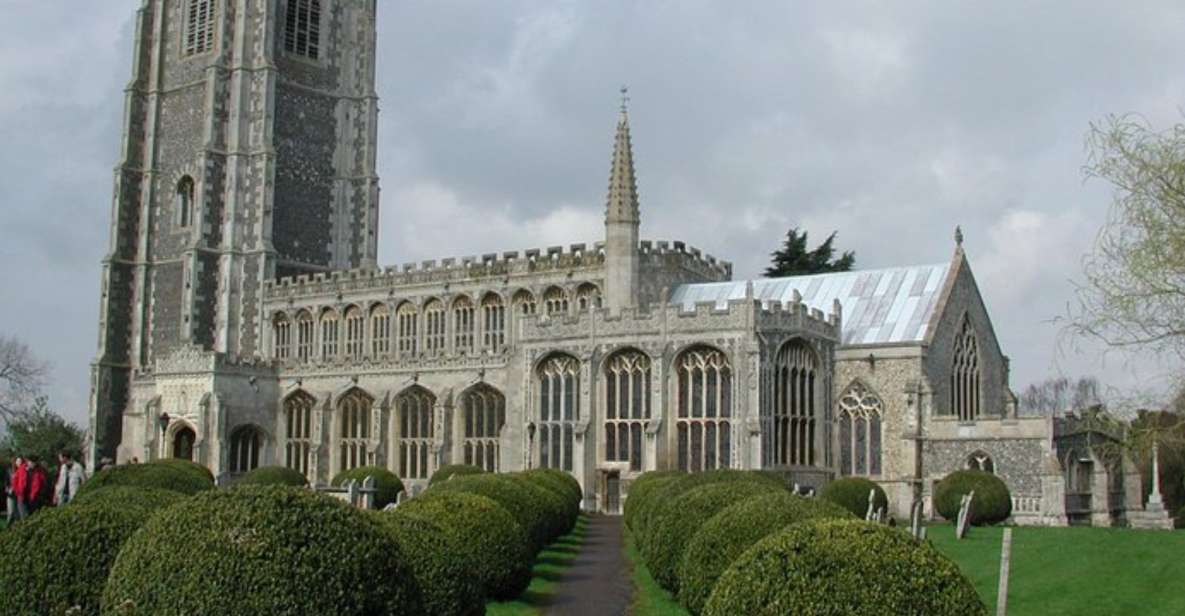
column 1155, row 502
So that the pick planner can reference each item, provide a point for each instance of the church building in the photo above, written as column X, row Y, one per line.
column 245, row 320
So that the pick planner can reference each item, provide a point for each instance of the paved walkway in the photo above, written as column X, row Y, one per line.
column 598, row 582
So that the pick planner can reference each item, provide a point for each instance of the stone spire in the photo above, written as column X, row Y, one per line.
column 622, row 220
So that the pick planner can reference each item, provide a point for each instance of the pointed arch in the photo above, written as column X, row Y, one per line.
column 980, row 460
column 555, row 301
column 355, row 322
column 434, row 325
column 859, row 418
column 305, row 331
column 281, row 336
column 246, row 442
column 330, row 326
column 703, row 403
column 302, row 28
column 380, row 330
column 415, row 425
column 558, row 378
column 524, row 302
column 182, row 439
column 183, row 202
column 965, row 373
column 588, row 296
column 353, row 428
column 409, row 318
column 796, row 406
column 493, row 321
column 298, row 430
column 627, row 377
column 464, row 317
column 484, row 410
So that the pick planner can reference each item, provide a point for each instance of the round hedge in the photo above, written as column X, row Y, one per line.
column 513, row 496
column 273, row 476
column 659, row 501
column 851, row 493
column 555, row 483
column 495, row 547
column 164, row 475
column 672, row 531
column 59, row 559
column 991, row 504
column 187, row 466
column 640, row 488
column 447, row 471
column 261, row 550
column 573, row 486
column 439, row 566
column 387, row 483
column 559, row 519
column 735, row 529
column 842, row 567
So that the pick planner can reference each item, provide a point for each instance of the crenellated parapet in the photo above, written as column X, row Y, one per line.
column 678, row 255
column 507, row 265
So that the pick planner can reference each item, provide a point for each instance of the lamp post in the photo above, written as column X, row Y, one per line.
column 163, row 420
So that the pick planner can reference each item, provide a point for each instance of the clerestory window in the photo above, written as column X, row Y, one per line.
column 199, row 27
column 302, row 28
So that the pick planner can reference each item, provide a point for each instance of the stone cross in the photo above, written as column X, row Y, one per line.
column 1155, row 502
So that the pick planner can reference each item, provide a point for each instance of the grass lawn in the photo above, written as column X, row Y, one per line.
column 1074, row 570
column 549, row 566
column 650, row 599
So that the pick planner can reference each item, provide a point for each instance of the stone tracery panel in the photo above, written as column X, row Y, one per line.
column 703, row 402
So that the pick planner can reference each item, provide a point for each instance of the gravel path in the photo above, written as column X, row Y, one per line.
column 598, row 582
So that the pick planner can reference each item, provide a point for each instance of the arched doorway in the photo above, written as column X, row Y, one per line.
column 183, row 440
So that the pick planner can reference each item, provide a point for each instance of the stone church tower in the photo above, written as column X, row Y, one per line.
column 248, row 154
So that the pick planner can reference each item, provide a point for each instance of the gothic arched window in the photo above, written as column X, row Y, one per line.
column 199, row 27
column 795, row 410
column 964, row 375
column 981, row 461
column 485, row 413
column 354, row 424
column 245, row 443
column 588, row 296
column 304, row 335
column 302, row 28
column 555, row 301
column 355, row 332
column 414, row 408
column 463, row 317
column 703, row 426
column 329, row 331
column 559, row 410
column 627, row 406
column 298, row 435
column 380, row 331
column 434, row 323
column 408, row 318
column 524, row 302
column 493, row 314
column 281, row 336
column 183, row 440
column 859, row 418
column 183, row 202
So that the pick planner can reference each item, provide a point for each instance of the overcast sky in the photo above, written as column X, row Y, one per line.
column 887, row 122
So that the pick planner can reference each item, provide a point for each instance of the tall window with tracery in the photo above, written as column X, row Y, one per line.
column 355, row 332
column 434, row 324
column 964, row 375
column 859, row 418
column 304, row 335
column 555, row 301
column 627, row 406
column 485, row 414
column 792, row 422
column 414, row 408
column 329, row 330
column 703, row 425
column 302, row 28
column 183, row 203
column 408, row 318
column 354, row 424
column 559, row 410
column 463, row 316
column 199, row 27
column 588, row 296
column 298, row 435
column 524, row 303
column 493, row 314
column 245, row 443
column 281, row 336
column 380, row 331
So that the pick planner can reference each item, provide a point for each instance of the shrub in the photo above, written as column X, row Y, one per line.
column 640, row 488
column 552, row 480
column 991, row 504
column 162, row 475
column 733, row 530
column 672, row 530
column 388, row 485
column 842, row 567
column 662, row 498
column 449, row 470
column 438, row 565
column 59, row 558
column 495, row 547
column 186, row 466
column 553, row 504
column 566, row 479
column 273, row 476
column 513, row 496
column 851, row 493
column 261, row 550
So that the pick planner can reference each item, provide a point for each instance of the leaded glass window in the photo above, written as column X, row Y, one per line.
column 703, row 424
column 559, row 409
column 860, row 435
column 627, row 406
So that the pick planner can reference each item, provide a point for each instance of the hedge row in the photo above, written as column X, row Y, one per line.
column 273, row 476
column 447, row 471
column 176, row 475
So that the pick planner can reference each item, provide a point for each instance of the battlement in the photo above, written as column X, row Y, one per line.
column 663, row 252
column 453, row 269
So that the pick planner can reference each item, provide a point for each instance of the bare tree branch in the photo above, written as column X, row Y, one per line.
column 22, row 376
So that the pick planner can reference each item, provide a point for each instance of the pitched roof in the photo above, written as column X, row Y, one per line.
column 892, row 305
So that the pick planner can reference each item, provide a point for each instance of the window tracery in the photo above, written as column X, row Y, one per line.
column 493, row 322
column 463, row 322
column 380, row 331
column 793, row 421
column 354, row 411
column 559, row 410
column 355, row 332
column 416, row 428
column 524, row 303
column 408, row 325
column 298, row 441
column 245, row 443
column 281, row 336
column 703, row 426
column 434, row 324
column 555, row 301
column 860, row 436
column 304, row 335
column 485, row 414
column 302, row 28
column 588, row 296
column 199, row 27
column 964, row 377
column 329, row 330
column 627, row 406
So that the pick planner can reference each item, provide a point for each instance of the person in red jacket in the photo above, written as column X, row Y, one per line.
column 20, row 487
column 38, row 477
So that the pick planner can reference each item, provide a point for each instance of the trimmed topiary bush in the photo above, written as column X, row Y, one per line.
column 553, row 505
column 513, row 496
column 449, row 470
column 674, row 528
column 59, row 559
column 842, row 567
column 261, row 550
column 186, row 466
column 640, row 489
column 573, row 486
column 556, row 484
column 495, row 547
column 273, row 476
column 162, row 475
column 851, row 493
column 991, row 504
column 441, row 572
column 661, row 499
column 735, row 529
column 388, row 484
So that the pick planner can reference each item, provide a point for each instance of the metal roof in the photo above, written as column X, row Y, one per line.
column 879, row 306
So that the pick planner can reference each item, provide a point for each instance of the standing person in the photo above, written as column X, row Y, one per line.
column 20, row 487
column 70, row 476
column 38, row 479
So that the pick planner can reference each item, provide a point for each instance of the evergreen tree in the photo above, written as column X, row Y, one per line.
column 793, row 259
